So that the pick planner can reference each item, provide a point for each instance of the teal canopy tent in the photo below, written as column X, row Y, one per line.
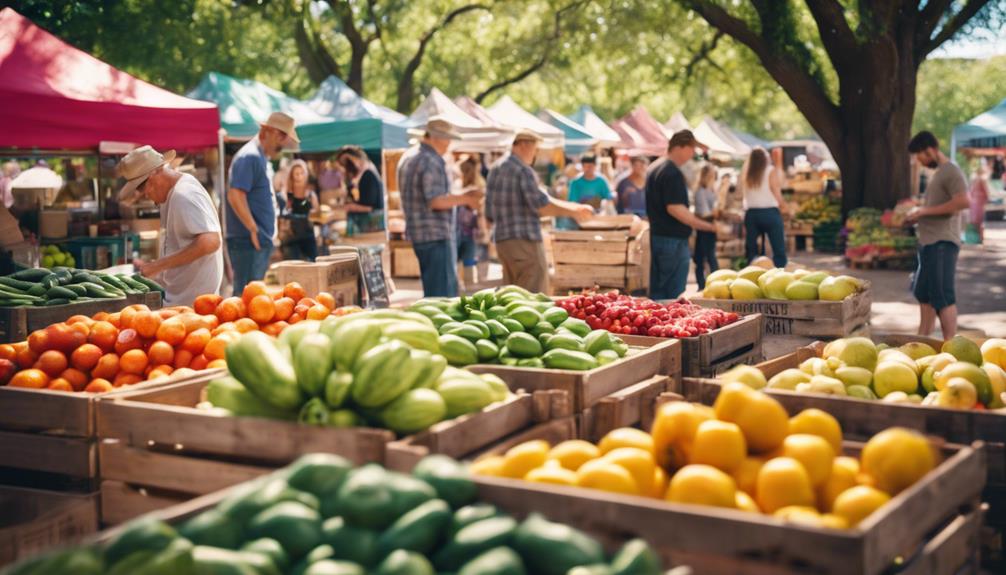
column 595, row 126
column 578, row 138
column 360, row 121
column 986, row 130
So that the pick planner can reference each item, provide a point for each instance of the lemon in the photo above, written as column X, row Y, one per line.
column 556, row 474
column 798, row 514
column 660, row 481
column 896, row 458
column 746, row 474
column 674, row 431
column 816, row 422
column 638, row 462
column 744, row 502
column 492, row 465
column 857, row 503
column 573, row 453
column 606, row 476
column 762, row 419
column 833, row 521
column 782, row 482
column 626, row 437
column 813, row 452
column 843, row 476
column 524, row 457
column 720, row 444
column 702, row 485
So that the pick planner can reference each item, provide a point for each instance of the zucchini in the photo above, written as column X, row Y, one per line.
column 154, row 286
column 10, row 292
column 50, row 281
column 15, row 302
column 30, row 274
column 56, row 301
column 64, row 275
column 37, row 290
column 17, row 284
column 118, row 284
column 95, row 290
column 140, row 287
column 58, row 292
column 78, row 289
column 81, row 277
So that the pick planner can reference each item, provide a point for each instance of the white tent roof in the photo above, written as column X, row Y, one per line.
column 710, row 136
column 476, row 135
column 597, row 127
column 508, row 113
column 578, row 138
column 676, row 123
column 729, row 137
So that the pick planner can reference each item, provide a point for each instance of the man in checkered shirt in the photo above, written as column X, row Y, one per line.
column 429, row 207
column 515, row 203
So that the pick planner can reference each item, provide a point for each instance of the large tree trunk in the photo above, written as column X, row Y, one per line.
column 355, row 79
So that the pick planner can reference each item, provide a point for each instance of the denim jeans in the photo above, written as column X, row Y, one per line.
column 437, row 261
column 248, row 263
column 934, row 278
column 758, row 221
column 705, row 252
column 669, row 262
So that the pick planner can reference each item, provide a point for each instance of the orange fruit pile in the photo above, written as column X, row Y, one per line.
column 108, row 350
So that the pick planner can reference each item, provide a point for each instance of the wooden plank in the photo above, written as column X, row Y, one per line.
column 952, row 550
column 68, row 456
column 121, row 502
column 35, row 520
column 56, row 412
column 575, row 275
column 722, row 348
column 554, row 432
column 591, row 235
column 633, row 406
column 671, row 359
column 590, row 253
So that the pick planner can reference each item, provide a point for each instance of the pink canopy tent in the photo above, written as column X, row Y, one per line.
column 54, row 96
column 648, row 129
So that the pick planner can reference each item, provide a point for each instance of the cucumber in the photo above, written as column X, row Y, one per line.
column 64, row 275
column 11, row 293
column 81, row 277
column 50, row 280
column 30, row 274
column 37, row 290
column 58, row 292
column 78, row 289
column 154, row 286
column 140, row 287
column 114, row 282
column 57, row 301
column 16, row 283
column 96, row 290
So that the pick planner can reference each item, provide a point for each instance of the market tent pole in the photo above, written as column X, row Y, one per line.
column 221, row 173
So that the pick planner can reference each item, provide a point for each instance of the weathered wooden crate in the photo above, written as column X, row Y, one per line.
column 587, row 258
column 933, row 526
column 404, row 263
column 34, row 520
column 628, row 407
column 17, row 323
column 52, row 432
column 829, row 319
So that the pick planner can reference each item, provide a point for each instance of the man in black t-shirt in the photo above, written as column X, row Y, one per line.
column 671, row 221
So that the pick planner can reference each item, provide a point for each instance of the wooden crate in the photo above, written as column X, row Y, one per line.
column 831, row 319
column 586, row 388
column 609, row 259
column 934, row 525
column 34, row 520
column 713, row 353
column 632, row 406
column 523, row 416
column 404, row 263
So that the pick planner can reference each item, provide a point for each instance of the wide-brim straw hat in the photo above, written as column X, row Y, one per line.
column 284, row 123
column 436, row 127
column 137, row 166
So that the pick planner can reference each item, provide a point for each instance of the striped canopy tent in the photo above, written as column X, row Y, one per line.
column 508, row 113
column 578, row 138
column 476, row 135
column 596, row 127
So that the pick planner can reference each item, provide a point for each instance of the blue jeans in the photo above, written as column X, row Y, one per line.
column 437, row 269
column 758, row 221
column 248, row 263
column 934, row 278
column 705, row 252
column 669, row 262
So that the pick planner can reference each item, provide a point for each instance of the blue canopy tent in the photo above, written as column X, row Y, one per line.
column 595, row 126
column 986, row 130
column 360, row 121
column 578, row 138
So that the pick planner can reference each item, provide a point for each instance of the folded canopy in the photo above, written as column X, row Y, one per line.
column 578, row 138
column 986, row 130
column 53, row 95
column 508, row 113
column 476, row 135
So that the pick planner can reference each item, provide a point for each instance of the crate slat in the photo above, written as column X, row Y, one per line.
column 65, row 455
column 630, row 407
column 35, row 520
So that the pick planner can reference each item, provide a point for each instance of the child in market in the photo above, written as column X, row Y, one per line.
column 705, row 208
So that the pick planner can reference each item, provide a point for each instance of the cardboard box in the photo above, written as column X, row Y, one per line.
column 10, row 231
column 330, row 273
column 53, row 223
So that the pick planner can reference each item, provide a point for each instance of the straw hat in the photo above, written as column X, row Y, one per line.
column 527, row 136
column 436, row 127
column 284, row 123
column 137, row 166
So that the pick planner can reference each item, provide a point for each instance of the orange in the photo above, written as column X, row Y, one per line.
column 217, row 345
column 100, row 316
column 82, row 328
column 207, row 303
column 99, row 385
column 59, row 384
column 133, row 361
column 252, row 289
column 127, row 316
column 245, row 325
column 196, row 341
column 79, row 319
column 301, row 309
column 294, row 291
column 261, row 309
column 103, row 335
column 107, row 368
column 7, row 352
column 192, row 321
column 126, row 379
column 573, row 453
column 283, row 308
column 146, row 323
column 199, row 362
column 318, row 311
column 115, row 319
column 625, row 437
column 65, row 338
column 35, row 378
column 160, row 371
column 86, row 357
column 25, row 356
column 295, row 318
column 38, row 341
column 230, row 309
column 216, row 363
column 228, row 326
column 78, row 379
column 172, row 331
column 183, row 358
column 52, row 363
column 128, row 339
column 326, row 299
column 275, row 328
column 168, row 313
column 307, row 301
column 161, row 353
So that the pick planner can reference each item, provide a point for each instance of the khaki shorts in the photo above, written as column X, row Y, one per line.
column 524, row 264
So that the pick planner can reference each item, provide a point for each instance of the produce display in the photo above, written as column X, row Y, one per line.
column 868, row 235
column 818, row 210
column 757, row 282
column 619, row 313
column 512, row 326
column 321, row 516
column 64, row 285
column 381, row 368
column 960, row 375
column 108, row 350
column 52, row 256
column 744, row 453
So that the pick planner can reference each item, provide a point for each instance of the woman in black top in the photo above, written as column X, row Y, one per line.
column 366, row 213
column 297, row 231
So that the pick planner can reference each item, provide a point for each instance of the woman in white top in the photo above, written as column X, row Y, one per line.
column 761, row 185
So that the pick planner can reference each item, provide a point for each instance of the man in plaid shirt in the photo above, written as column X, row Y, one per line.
column 515, row 203
column 429, row 207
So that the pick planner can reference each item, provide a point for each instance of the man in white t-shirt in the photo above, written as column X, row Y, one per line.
column 191, row 262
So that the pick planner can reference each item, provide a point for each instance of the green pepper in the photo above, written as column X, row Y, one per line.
column 379, row 376
column 351, row 340
column 314, row 412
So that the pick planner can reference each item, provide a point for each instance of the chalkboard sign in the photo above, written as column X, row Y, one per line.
column 372, row 273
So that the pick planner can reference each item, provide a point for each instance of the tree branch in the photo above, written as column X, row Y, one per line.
column 703, row 54
column 929, row 19
column 952, row 26
column 314, row 56
column 836, row 35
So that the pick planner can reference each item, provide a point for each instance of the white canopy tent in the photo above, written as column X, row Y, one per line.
column 677, row 123
column 708, row 133
column 578, row 138
column 476, row 135
column 606, row 136
column 508, row 113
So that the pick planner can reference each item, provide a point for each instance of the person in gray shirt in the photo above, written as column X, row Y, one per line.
column 939, row 231
column 705, row 208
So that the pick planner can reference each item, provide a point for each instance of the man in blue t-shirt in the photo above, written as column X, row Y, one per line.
column 589, row 188
column 251, row 205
